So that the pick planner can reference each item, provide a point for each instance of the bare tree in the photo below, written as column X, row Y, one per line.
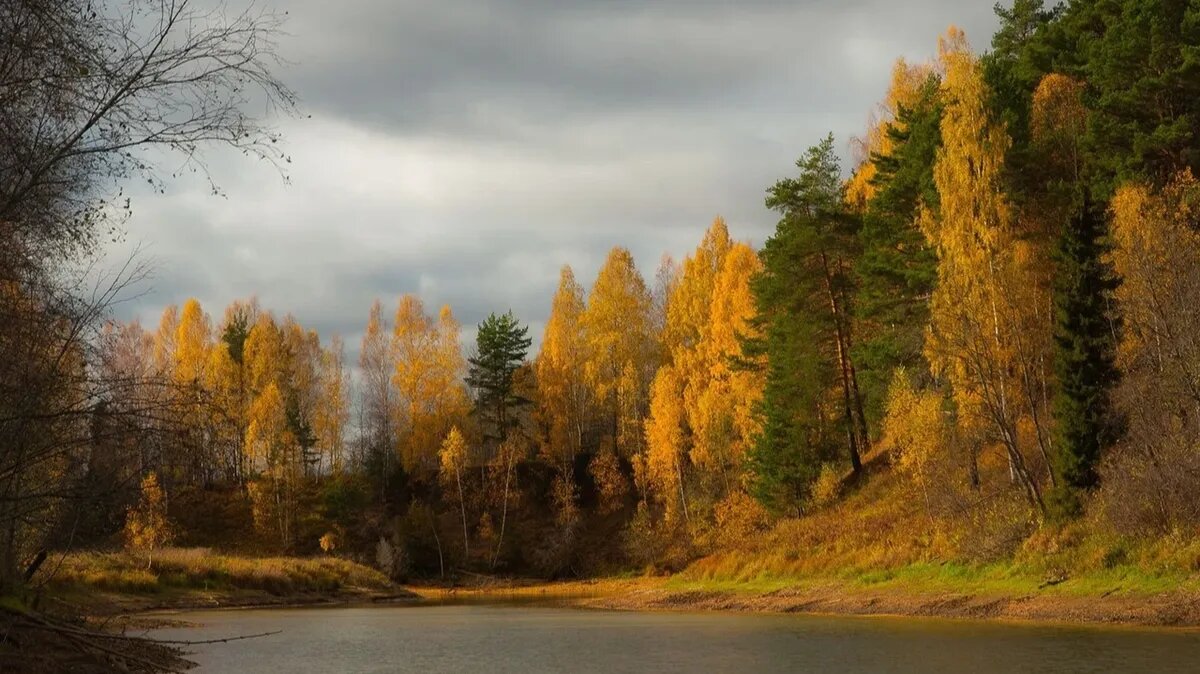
column 87, row 88
column 85, row 85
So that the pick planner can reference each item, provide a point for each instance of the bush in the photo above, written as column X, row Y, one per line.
column 828, row 486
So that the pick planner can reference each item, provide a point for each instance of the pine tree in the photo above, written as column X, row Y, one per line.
column 1084, row 358
column 897, row 269
column 801, row 299
column 501, row 345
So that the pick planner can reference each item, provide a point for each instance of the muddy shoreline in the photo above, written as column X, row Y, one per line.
column 1176, row 610
column 1163, row 610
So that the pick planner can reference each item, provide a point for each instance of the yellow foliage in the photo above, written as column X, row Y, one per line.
column 328, row 542
column 620, row 348
column 915, row 429
column 333, row 411
column 562, row 387
column 453, row 456
column 193, row 339
column 828, row 486
column 1156, row 253
column 905, row 86
column 737, row 517
column 428, row 379
column 1059, row 118
column 263, row 354
column 267, row 436
column 726, row 421
column 146, row 525
column 664, row 440
column 605, row 470
column 702, row 407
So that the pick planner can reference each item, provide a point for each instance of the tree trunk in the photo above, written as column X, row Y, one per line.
column 437, row 540
column 864, row 437
column 851, row 431
column 462, row 505
column 682, row 498
column 504, row 509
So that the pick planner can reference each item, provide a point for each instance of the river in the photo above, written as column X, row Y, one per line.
column 511, row 638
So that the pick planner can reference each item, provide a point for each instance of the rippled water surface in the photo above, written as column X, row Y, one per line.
column 499, row 638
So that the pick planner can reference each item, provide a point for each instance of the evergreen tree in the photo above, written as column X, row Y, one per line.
column 800, row 295
column 1084, row 358
column 1143, row 66
column 501, row 345
column 897, row 270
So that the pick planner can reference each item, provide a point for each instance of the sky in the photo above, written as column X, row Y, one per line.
column 464, row 150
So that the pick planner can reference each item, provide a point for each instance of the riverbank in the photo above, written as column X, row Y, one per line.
column 906, row 594
column 1168, row 609
column 106, row 584
column 109, row 583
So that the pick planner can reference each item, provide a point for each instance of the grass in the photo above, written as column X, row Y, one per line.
column 201, row 569
column 880, row 536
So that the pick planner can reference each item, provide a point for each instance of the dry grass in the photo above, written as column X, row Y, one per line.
column 200, row 568
column 881, row 536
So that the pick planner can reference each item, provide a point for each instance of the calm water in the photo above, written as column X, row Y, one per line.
column 492, row 638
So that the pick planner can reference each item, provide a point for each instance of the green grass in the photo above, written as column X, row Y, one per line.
column 999, row 580
column 201, row 569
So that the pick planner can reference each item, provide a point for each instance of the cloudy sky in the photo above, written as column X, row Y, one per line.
column 464, row 150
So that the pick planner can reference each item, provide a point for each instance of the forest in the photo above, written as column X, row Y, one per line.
column 990, row 304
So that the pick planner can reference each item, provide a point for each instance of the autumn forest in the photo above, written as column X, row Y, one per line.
column 975, row 343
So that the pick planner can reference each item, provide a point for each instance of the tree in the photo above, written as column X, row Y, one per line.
column 983, row 338
column 897, row 269
column 563, row 393
column 230, row 383
column 915, row 429
column 501, row 345
column 453, row 461
column 801, row 297
column 620, row 361
column 1156, row 254
column 503, row 468
column 427, row 376
column 1083, row 285
column 333, row 411
column 85, row 89
column 1139, row 60
column 147, row 526
column 378, row 391
column 702, row 399
column 274, row 457
column 665, row 440
column 1084, row 358
column 905, row 92
column 190, row 375
column 725, row 419
column 302, row 387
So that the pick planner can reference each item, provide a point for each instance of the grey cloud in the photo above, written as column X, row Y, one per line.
column 466, row 150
